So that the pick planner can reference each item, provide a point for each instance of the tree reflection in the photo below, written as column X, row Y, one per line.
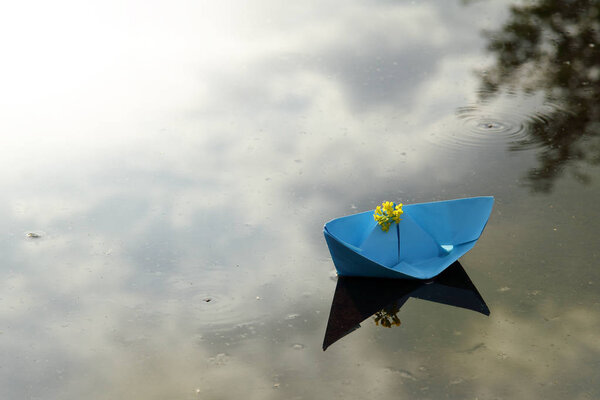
column 554, row 46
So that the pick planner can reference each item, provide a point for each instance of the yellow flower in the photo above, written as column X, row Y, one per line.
column 387, row 213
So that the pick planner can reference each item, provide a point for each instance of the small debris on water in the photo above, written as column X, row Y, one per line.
column 219, row 359
column 333, row 275
column 257, row 297
column 504, row 289
column 207, row 300
column 298, row 346
column 292, row 316
column 473, row 349
column 276, row 385
column 402, row 373
column 33, row 235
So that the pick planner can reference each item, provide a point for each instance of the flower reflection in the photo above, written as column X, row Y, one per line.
column 388, row 316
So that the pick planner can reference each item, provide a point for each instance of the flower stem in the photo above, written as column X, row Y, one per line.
column 398, row 236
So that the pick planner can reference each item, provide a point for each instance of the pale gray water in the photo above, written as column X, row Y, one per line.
column 175, row 163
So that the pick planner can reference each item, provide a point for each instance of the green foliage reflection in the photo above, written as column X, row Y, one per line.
column 553, row 46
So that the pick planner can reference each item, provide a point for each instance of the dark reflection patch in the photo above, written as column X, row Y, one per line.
column 356, row 299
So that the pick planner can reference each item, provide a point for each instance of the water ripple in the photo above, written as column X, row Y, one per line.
column 506, row 119
column 212, row 297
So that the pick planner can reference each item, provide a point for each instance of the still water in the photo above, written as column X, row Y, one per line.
column 167, row 169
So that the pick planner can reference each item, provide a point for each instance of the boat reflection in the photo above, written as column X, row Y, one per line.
column 356, row 299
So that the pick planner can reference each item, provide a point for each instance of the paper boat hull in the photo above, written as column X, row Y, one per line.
column 429, row 238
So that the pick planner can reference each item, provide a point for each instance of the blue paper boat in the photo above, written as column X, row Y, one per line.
column 429, row 238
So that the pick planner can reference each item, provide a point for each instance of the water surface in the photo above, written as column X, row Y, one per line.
column 167, row 170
